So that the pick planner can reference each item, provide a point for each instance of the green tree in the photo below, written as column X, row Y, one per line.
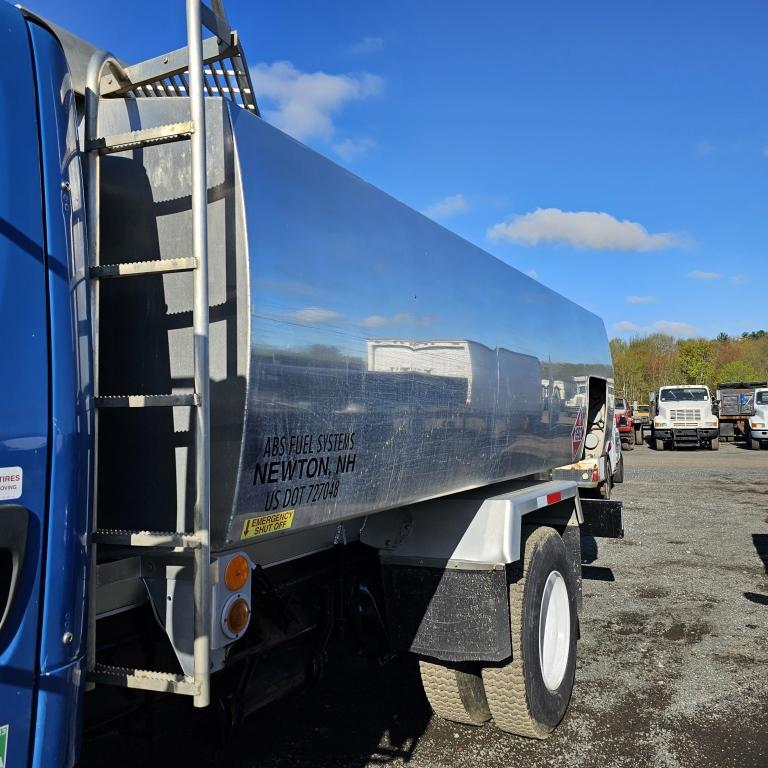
column 696, row 361
column 737, row 370
column 644, row 363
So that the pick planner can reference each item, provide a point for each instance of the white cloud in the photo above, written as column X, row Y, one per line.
column 314, row 315
column 366, row 46
column 674, row 328
column 641, row 299
column 377, row 321
column 448, row 206
column 704, row 147
column 533, row 274
column 738, row 279
column 697, row 274
column 625, row 326
column 304, row 103
column 581, row 229
column 350, row 149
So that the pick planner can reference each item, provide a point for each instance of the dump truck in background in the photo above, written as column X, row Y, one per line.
column 211, row 469
column 683, row 415
column 735, row 406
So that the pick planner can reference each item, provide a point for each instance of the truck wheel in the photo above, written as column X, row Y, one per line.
column 754, row 444
column 714, row 444
column 618, row 475
column 528, row 695
column 628, row 445
column 638, row 437
column 659, row 444
column 604, row 489
column 454, row 694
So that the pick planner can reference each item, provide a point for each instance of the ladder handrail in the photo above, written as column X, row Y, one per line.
column 202, row 510
column 96, row 66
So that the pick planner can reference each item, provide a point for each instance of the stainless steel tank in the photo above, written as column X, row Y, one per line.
column 363, row 357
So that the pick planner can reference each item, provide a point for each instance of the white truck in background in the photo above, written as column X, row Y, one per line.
column 757, row 425
column 682, row 415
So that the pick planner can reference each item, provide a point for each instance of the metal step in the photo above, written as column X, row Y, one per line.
column 166, row 539
column 155, row 267
column 145, row 679
column 146, row 401
column 159, row 134
column 169, row 66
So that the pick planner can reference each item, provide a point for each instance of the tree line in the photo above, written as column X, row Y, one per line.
column 644, row 363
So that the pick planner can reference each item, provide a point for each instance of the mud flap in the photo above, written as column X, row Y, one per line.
column 602, row 518
column 449, row 614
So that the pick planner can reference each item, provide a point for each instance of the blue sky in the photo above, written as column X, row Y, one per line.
column 617, row 152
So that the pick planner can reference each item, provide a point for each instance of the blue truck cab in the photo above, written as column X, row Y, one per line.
column 45, row 421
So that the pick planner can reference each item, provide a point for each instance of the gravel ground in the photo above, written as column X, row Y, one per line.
column 673, row 657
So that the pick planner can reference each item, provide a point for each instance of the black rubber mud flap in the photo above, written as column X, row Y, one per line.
column 448, row 614
column 602, row 518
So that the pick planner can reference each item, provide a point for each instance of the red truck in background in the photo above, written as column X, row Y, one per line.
column 623, row 415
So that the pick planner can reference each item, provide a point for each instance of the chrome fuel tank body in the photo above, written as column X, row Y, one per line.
column 363, row 357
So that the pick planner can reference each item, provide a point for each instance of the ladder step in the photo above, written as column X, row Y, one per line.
column 145, row 679
column 160, row 134
column 146, row 401
column 155, row 267
column 167, row 539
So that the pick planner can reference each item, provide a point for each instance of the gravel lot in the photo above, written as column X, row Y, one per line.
column 673, row 657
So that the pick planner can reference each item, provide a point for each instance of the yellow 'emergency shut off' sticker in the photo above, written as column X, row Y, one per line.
column 258, row 526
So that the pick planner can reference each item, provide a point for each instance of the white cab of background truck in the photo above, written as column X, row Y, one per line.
column 682, row 416
column 757, row 431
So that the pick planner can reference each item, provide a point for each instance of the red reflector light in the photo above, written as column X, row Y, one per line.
column 553, row 498
column 595, row 475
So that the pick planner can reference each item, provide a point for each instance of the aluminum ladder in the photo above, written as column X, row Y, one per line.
column 165, row 76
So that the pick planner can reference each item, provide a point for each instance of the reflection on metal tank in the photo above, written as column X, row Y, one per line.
column 362, row 356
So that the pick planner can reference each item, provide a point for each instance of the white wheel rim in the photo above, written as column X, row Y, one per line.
column 554, row 631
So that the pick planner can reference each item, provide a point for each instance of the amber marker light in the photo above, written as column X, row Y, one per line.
column 236, row 616
column 236, row 573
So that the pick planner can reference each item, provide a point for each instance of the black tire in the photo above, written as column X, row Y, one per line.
column 659, row 444
column 455, row 692
column 714, row 444
column 519, row 700
column 628, row 445
column 754, row 444
column 604, row 489
column 618, row 475
column 638, row 437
